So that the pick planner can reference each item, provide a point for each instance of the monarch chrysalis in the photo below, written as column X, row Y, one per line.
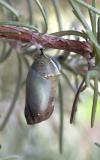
column 41, row 85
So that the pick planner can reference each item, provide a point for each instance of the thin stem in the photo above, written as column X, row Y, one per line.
column 30, row 10
column 79, row 14
column 74, row 107
column 9, row 7
column 68, row 81
column 98, row 31
column 57, row 11
column 93, row 22
column 61, row 118
column 58, row 16
column 18, row 24
column 12, row 16
column 81, row 17
column 17, row 90
column 70, row 32
column 88, row 6
column 97, row 144
column 43, row 14
column 5, row 55
column 95, row 98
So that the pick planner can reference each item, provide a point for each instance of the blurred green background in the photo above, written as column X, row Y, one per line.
column 18, row 141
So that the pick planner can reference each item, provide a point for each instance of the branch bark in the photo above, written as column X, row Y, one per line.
column 46, row 41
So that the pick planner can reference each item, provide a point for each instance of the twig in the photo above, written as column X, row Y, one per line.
column 74, row 107
column 46, row 41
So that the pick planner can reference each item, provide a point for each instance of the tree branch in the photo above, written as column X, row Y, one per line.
column 46, row 41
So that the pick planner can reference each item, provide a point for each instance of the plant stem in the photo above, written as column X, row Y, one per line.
column 46, row 41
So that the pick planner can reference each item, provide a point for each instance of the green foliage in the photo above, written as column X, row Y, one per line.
column 72, row 65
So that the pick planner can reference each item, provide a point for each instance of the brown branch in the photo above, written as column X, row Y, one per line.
column 74, row 107
column 46, row 41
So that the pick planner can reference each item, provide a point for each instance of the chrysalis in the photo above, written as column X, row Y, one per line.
column 41, row 84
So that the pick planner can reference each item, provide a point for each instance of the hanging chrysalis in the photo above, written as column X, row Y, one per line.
column 41, row 84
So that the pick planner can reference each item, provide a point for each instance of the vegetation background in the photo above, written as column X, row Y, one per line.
column 19, row 141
